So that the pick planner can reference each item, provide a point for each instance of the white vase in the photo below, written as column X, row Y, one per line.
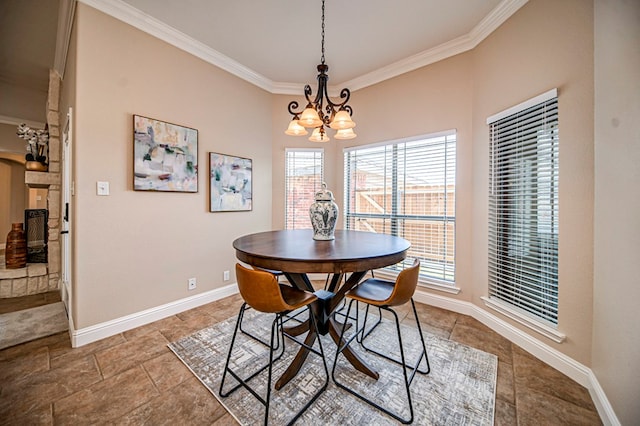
column 323, row 214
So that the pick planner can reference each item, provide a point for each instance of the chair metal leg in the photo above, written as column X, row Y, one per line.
column 423, row 354
column 244, row 382
column 364, row 335
column 249, row 334
column 277, row 334
column 407, row 379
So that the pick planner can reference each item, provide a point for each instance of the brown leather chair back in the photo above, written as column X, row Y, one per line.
column 260, row 289
column 405, row 286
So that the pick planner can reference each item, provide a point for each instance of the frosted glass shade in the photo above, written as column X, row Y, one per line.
column 295, row 129
column 345, row 134
column 318, row 136
column 310, row 118
column 342, row 120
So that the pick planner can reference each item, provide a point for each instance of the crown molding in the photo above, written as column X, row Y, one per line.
column 66, row 12
column 150, row 25
column 132, row 16
column 419, row 60
column 490, row 23
column 287, row 88
column 497, row 17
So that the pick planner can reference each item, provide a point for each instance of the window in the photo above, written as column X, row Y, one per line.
column 523, row 208
column 304, row 173
column 407, row 188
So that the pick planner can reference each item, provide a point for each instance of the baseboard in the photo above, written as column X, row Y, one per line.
column 566, row 365
column 605, row 410
column 96, row 332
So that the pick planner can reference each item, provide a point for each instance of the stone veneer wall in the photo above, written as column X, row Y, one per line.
column 37, row 277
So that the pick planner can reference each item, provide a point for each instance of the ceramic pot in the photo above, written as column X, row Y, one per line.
column 323, row 214
column 16, row 249
column 36, row 166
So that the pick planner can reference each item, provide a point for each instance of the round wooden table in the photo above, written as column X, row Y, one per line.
column 296, row 254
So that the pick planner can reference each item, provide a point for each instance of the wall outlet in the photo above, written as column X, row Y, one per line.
column 225, row 275
column 192, row 284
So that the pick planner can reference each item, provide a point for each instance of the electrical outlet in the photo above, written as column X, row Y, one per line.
column 192, row 284
column 225, row 275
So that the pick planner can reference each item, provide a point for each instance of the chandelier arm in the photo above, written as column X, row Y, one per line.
column 344, row 94
column 307, row 94
column 293, row 105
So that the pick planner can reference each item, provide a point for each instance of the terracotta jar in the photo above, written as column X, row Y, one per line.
column 36, row 166
column 16, row 248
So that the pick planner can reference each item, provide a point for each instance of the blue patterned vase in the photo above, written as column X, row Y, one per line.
column 324, row 214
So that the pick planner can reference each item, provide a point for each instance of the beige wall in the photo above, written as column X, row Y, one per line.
column 546, row 44
column 13, row 195
column 616, row 339
column 429, row 100
column 10, row 142
column 135, row 250
column 22, row 102
column 12, row 188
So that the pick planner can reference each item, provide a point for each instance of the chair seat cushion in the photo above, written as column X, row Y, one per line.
column 372, row 291
column 296, row 298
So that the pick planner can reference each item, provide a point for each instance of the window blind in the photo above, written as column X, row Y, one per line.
column 523, row 210
column 407, row 188
column 304, row 173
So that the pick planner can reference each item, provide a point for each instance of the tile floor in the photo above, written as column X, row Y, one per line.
column 133, row 378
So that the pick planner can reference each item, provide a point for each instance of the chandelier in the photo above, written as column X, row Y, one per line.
column 317, row 115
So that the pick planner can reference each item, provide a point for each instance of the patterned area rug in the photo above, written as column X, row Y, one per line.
column 460, row 390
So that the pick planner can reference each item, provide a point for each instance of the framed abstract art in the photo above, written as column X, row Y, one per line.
column 230, row 183
column 165, row 156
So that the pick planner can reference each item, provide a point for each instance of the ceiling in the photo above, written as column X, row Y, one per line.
column 275, row 44
column 27, row 49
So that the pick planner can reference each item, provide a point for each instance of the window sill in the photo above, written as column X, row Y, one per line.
column 525, row 320
column 431, row 284
column 435, row 285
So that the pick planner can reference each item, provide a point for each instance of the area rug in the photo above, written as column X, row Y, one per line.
column 30, row 324
column 459, row 390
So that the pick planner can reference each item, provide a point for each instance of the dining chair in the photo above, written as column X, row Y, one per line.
column 385, row 295
column 262, row 292
column 292, row 316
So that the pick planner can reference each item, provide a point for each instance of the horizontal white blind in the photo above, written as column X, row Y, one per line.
column 407, row 188
column 304, row 173
column 523, row 210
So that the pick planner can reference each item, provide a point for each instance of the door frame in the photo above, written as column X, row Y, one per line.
column 66, row 246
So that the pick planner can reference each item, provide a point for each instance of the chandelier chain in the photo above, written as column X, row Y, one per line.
column 323, row 32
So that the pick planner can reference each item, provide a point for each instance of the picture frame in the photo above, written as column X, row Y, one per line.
column 230, row 183
column 165, row 156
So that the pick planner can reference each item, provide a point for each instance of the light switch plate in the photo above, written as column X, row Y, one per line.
column 103, row 188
